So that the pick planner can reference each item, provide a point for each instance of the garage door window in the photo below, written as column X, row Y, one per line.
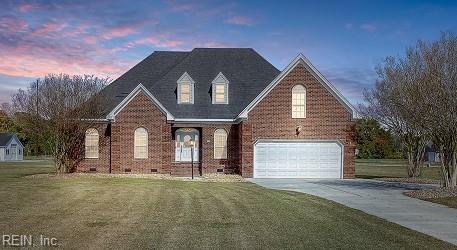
column 298, row 101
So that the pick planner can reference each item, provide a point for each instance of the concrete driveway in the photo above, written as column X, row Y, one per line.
column 382, row 199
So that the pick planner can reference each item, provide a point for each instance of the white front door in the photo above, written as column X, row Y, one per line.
column 295, row 159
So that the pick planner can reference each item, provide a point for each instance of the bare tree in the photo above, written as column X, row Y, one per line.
column 416, row 97
column 440, row 104
column 58, row 109
column 395, row 102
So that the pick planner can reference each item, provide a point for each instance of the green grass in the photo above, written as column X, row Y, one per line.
column 379, row 168
column 119, row 213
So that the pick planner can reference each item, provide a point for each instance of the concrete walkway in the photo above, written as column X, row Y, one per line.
column 382, row 199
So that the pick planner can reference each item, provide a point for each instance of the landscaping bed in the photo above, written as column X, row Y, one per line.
column 204, row 178
column 410, row 180
column 444, row 196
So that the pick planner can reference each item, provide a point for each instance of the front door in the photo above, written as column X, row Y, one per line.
column 187, row 143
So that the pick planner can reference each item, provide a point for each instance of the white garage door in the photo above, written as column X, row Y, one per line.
column 292, row 159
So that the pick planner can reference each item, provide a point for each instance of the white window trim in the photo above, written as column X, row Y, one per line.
column 185, row 79
column 135, row 152
column 292, row 102
column 223, row 146
column 220, row 80
column 97, row 146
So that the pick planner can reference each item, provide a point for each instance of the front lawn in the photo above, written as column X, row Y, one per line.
column 381, row 168
column 129, row 213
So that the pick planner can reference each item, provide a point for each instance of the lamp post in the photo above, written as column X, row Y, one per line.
column 192, row 144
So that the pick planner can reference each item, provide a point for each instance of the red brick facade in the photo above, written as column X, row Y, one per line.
column 326, row 119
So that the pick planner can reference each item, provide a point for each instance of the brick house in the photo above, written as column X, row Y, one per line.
column 226, row 110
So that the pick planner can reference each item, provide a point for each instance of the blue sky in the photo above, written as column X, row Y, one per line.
column 345, row 40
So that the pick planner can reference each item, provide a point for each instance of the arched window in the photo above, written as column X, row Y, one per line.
column 298, row 101
column 141, row 143
column 220, row 144
column 91, row 143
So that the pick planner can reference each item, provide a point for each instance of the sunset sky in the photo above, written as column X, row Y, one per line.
column 344, row 40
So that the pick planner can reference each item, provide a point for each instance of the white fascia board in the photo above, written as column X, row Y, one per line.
column 131, row 96
column 300, row 59
column 14, row 138
column 220, row 78
column 95, row 120
column 190, row 120
column 185, row 78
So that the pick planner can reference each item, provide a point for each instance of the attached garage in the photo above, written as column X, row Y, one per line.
column 298, row 159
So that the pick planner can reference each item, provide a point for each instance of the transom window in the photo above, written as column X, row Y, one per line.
column 141, row 143
column 220, row 89
column 91, row 143
column 185, row 89
column 298, row 101
column 220, row 144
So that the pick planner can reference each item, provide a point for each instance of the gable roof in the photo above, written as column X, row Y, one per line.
column 136, row 91
column 247, row 72
column 6, row 137
column 310, row 67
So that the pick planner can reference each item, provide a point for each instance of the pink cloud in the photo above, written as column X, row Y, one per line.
column 49, row 27
column 26, row 7
column 159, row 41
column 78, row 31
column 40, row 64
column 119, row 32
column 13, row 24
column 90, row 39
column 240, row 20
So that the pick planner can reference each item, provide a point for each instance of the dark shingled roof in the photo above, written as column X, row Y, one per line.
column 5, row 137
column 247, row 72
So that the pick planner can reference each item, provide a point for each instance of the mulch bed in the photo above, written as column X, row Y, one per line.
column 410, row 180
column 433, row 193
column 204, row 178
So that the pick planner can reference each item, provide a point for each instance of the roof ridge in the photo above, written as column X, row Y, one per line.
column 168, row 71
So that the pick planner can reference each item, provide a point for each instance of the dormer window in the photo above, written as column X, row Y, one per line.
column 220, row 89
column 185, row 90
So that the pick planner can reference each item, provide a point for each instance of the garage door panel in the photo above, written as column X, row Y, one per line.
column 292, row 159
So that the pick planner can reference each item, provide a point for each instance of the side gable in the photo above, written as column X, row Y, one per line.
column 16, row 139
column 10, row 138
column 300, row 59
column 131, row 96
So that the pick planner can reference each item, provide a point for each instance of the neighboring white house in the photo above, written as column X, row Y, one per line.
column 11, row 149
